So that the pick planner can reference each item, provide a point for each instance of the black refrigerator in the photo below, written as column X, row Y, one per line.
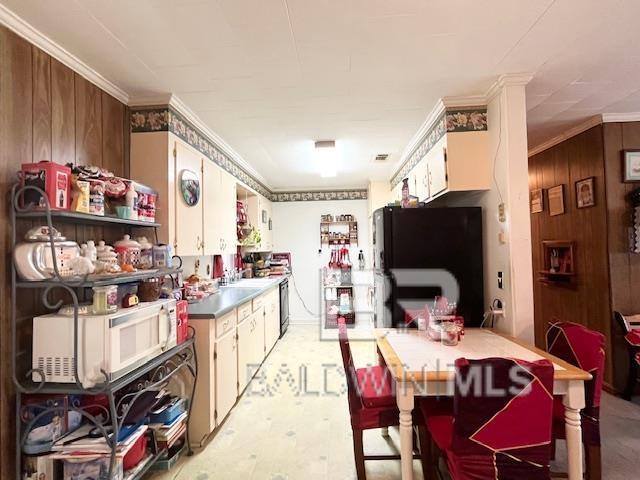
column 421, row 253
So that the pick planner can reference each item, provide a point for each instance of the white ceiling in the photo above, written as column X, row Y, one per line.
column 271, row 76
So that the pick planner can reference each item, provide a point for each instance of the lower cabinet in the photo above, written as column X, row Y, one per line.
column 226, row 374
column 272, row 320
column 202, row 420
column 230, row 350
column 245, row 351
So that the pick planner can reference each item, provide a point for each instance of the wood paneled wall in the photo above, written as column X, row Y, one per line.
column 608, row 275
column 624, row 266
column 47, row 112
column 587, row 299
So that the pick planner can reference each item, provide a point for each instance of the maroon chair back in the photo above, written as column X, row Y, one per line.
column 349, row 367
column 503, row 410
column 583, row 348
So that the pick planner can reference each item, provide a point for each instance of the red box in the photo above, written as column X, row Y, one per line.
column 182, row 315
column 53, row 178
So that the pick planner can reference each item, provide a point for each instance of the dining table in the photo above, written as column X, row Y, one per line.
column 420, row 366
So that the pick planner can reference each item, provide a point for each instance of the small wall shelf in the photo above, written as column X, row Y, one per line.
column 559, row 266
column 328, row 236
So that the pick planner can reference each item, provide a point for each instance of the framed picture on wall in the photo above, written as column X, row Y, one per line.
column 585, row 193
column 536, row 198
column 556, row 200
column 631, row 167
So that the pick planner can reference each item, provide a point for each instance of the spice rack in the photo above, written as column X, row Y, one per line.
column 145, row 378
column 329, row 234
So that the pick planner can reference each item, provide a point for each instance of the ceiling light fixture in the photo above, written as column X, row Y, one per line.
column 326, row 158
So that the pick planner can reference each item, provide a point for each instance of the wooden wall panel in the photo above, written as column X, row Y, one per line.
column 88, row 115
column 586, row 300
column 624, row 267
column 63, row 121
column 47, row 111
column 16, row 147
column 113, row 122
column 41, row 105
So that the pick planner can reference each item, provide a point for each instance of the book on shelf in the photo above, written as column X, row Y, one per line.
column 81, row 444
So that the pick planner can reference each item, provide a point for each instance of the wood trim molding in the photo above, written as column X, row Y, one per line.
column 25, row 30
column 572, row 132
column 621, row 117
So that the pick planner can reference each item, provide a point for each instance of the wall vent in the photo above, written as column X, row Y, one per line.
column 381, row 157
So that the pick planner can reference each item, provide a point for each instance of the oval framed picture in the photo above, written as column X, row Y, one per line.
column 190, row 187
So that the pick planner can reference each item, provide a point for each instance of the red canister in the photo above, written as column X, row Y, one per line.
column 182, row 314
column 54, row 179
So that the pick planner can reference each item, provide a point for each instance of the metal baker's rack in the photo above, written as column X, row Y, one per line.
column 147, row 377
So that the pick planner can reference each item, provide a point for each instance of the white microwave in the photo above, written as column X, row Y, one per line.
column 112, row 344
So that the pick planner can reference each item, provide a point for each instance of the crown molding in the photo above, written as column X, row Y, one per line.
column 566, row 135
column 504, row 80
column 507, row 80
column 29, row 33
column 464, row 101
column 175, row 102
column 418, row 137
column 583, row 127
column 621, row 117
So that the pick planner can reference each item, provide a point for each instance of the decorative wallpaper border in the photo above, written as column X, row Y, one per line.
column 319, row 195
column 450, row 121
column 167, row 119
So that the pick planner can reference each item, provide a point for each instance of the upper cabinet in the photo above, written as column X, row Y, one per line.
column 259, row 212
column 197, row 198
column 458, row 161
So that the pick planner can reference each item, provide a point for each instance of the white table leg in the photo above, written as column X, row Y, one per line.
column 404, row 397
column 574, row 402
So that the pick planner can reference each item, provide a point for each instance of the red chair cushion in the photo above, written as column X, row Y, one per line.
column 376, row 387
column 633, row 337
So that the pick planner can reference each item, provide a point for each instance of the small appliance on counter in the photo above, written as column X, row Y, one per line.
column 115, row 343
column 33, row 257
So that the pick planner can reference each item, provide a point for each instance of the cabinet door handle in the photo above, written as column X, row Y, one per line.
column 198, row 243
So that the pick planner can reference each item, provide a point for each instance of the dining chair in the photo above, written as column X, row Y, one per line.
column 372, row 403
column 630, row 325
column 583, row 348
column 500, row 427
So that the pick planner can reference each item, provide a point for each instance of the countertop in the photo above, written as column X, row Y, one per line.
column 231, row 297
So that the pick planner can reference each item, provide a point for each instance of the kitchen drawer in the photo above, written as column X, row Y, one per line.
column 226, row 323
column 244, row 311
column 259, row 302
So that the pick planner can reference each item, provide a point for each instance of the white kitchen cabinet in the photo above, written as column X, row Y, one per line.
column 189, row 235
column 203, row 420
column 458, row 162
column 226, row 212
column 245, row 351
column 226, row 374
column 437, row 168
column 209, row 227
column 256, row 205
column 257, row 337
column 212, row 199
column 271, row 319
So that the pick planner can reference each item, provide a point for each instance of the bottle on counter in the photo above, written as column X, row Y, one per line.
column 131, row 199
column 361, row 260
